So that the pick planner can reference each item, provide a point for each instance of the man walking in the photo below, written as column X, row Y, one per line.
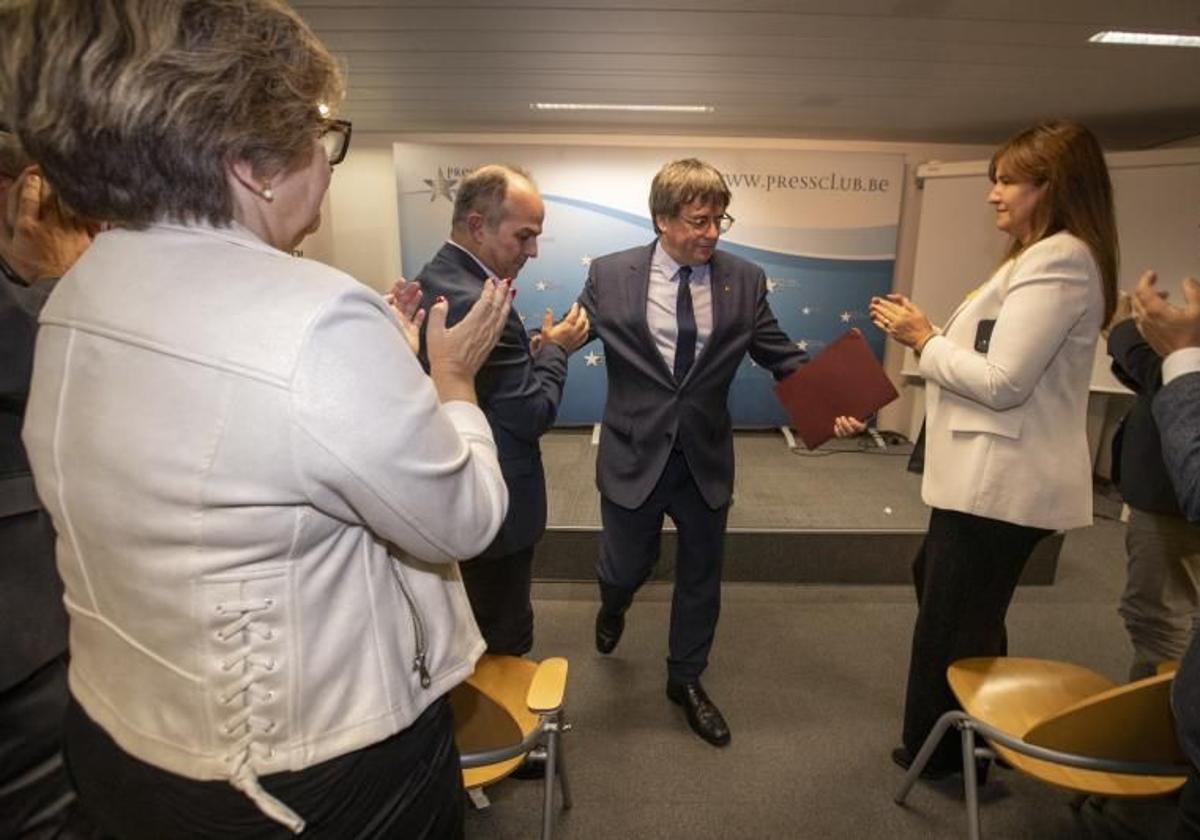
column 676, row 317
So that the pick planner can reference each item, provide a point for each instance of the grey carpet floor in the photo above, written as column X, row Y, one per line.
column 811, row 679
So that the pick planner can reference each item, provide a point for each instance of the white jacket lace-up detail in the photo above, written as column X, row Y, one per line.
column 250, row 700
column 259, row 502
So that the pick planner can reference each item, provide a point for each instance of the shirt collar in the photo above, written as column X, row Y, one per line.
column 665, row 263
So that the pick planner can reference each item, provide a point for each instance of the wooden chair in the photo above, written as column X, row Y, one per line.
column 1063, row 724
column 510, row 708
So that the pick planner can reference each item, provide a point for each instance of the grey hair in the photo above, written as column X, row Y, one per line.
column 134, row 109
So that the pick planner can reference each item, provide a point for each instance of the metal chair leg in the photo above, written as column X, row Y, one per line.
column 970, row 790
column 551, row 767
column 563, row 781
column 923, row 755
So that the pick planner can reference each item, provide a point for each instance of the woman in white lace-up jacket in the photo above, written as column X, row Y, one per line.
column 259, row 496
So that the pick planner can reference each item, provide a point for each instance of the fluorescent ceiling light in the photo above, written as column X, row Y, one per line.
column 1146, row 39
column 583, row 106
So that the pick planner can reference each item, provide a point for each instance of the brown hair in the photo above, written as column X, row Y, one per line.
column 681, row 182
column 484, row 191
column 135, row 108
column 1067, row 160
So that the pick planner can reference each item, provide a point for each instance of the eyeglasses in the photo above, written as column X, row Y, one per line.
column 700, row 224
column 335, row 137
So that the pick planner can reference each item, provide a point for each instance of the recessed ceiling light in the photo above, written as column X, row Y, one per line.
column 585, row 106
column 1146, row 39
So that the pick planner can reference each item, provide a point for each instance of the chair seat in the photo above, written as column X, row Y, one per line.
column 491, row 709
column 1014, row 695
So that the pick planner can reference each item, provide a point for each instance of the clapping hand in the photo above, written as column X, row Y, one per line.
column 1167, row 327
column 405, row 302
column 38, row 239
column 902, row 320
column 456, row 353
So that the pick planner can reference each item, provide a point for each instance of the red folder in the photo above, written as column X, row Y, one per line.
column 843, row 379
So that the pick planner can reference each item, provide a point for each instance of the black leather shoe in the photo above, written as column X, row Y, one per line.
column 702, row 714
column 608, row 630
column 933, row 773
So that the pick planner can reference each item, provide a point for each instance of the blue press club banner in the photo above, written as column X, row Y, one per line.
column 822, row 225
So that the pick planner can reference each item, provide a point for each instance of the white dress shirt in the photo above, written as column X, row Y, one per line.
column 1184, row 360
column 661, row 300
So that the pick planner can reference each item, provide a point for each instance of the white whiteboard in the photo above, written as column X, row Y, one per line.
column 1157, row 196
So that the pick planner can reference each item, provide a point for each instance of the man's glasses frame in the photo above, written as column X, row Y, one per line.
column 700, row 224
column 335, row 137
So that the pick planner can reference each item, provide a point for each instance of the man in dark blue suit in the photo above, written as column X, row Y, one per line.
column 1161, row 601
column 1174, row 333
column 676, row 317
column 497, row 219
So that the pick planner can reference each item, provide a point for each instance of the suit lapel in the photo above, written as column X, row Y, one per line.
column 1012, row 266
column 460, row 259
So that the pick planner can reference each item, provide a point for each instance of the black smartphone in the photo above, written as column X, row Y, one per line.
column 983, row 335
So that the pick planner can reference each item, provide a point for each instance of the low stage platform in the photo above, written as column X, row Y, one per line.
column 847, row 513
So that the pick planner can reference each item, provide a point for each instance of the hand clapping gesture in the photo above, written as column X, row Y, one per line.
column 405, row 301
column 1167, row 327
column 902, row 320
column 456, row 353
column 38, row 239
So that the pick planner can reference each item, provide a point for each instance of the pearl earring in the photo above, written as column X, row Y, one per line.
column 267, row 193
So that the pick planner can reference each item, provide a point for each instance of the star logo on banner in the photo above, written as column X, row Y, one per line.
column 441, row 186
column 541, row 285
column 593, row 359
column 845, row 316
column 772, row 285
column 802, row 345
column 585, row 260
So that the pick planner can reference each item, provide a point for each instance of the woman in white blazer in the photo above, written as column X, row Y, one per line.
column 260, row 497
column 1006, row 390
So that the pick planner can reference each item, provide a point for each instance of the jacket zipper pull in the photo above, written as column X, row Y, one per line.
column 419, row 666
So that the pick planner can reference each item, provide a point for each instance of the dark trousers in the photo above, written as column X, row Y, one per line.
column 35, row 792
column 629, row 548
column 1185, row 703
column 499, row 591
column 965, row 573
column 408, row 785
column 1187, row 824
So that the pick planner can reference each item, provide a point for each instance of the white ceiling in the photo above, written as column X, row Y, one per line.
column 914, row 70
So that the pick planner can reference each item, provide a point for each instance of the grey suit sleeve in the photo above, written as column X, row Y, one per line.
column 589, row 300
column 1177, row 413
column 770, row 346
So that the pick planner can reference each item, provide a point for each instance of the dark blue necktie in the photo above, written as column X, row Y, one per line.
column 685, row 343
